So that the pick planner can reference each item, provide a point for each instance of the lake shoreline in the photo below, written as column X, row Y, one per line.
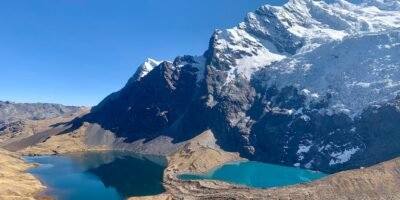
column 81, row 173
column 201, row 154
column 256, row 174
column 16, row 182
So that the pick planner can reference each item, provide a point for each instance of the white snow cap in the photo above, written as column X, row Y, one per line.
column 147, row 66
column 349, row 50
column 273, row 33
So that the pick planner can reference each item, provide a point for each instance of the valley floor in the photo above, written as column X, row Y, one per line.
column 201, row 154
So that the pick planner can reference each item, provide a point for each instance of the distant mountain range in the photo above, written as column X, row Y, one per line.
column 19, row 120
column 11, row 112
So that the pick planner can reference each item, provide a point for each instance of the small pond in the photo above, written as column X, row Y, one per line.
column 256, row 174
column 100, row 175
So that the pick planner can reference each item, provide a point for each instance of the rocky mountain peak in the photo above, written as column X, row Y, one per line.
column 308, row 84
column 145, row 68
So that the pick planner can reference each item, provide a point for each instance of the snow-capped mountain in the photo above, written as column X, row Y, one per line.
column 306, row 84
column 145, row 68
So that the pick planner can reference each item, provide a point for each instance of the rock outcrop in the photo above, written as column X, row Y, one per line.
column 200, row 155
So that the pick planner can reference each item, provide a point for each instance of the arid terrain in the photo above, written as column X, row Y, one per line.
column 26, row 132
column 15, row 183
column 21, row 131
column 64, row 143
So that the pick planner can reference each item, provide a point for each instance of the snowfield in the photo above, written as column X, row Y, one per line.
column 345, row 51
column 356, row 72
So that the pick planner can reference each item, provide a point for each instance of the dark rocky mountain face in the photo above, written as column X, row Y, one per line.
column 148, row 107
column 246, row 89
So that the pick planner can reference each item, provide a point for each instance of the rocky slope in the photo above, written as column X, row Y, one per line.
column 18, row 121
column 306, row 84
column 70, row 142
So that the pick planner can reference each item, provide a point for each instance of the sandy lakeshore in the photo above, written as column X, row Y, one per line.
column 15, row 182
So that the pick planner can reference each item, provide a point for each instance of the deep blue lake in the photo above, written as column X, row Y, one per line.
column 102, row 175
column 256, row 174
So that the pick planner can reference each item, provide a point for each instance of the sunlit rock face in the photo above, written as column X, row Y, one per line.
column 306, row 84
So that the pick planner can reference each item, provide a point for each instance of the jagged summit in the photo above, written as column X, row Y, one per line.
column 145, row 68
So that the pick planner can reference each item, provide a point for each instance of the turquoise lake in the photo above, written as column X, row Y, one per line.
column 106, row 175
column 256, row 174
column 117, row 175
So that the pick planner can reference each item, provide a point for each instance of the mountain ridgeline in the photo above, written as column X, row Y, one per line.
column 11, row 112
column 307, row 84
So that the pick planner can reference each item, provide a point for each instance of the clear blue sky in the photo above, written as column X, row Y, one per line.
column 76, row 52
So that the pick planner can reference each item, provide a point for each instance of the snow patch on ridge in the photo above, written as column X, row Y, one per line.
column 146, row 67
column 243, row 52
column 342, row 157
